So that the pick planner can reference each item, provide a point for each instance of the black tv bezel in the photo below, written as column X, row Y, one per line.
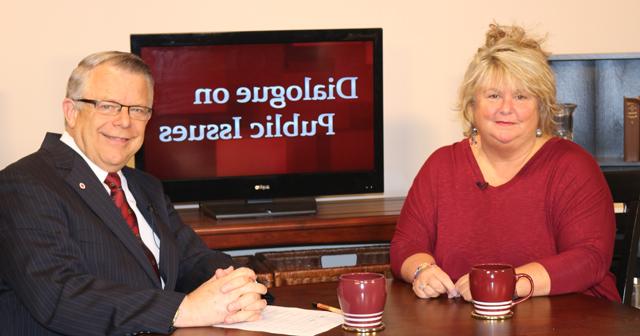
column 281, row 185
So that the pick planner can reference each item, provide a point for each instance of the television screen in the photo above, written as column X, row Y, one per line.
column 247, row 115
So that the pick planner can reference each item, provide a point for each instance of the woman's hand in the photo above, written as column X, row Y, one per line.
column 433, row 281
column 462, row 286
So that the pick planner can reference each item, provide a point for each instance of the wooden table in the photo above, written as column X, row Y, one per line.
column 353, row 221
column 406, row 315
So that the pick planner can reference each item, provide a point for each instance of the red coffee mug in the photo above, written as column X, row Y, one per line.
column 492, row 289
column 362, row 297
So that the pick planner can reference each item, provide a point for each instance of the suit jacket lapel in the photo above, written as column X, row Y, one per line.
column 80, row 177
column 168, row 255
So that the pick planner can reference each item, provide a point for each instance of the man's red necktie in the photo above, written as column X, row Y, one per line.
column 117, row 195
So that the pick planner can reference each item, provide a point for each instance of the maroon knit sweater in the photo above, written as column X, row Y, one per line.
column 556, row 211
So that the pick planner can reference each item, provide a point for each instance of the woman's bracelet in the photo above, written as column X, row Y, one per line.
column 421, row 268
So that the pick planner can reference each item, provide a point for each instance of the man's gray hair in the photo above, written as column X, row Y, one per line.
column 121, row 60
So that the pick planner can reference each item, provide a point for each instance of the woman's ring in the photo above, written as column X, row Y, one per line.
column 421, row 286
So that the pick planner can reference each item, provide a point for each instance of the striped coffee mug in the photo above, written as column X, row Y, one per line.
column 492, row 290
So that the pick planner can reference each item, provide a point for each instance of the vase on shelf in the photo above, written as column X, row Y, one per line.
column 564, row 121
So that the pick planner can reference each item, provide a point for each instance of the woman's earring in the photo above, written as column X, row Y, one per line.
column 538, row 132
column 474, row 133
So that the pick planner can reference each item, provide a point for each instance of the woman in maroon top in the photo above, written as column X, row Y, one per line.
column 509, row 192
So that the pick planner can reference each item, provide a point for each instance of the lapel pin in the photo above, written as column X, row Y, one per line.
column 82, row 186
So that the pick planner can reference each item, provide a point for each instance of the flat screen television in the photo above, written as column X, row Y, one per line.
column 249, row 117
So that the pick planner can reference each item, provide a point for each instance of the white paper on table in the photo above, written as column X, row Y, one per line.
column 290, row 321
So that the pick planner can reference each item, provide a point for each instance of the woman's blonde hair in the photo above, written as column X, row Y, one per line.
column 510, row 57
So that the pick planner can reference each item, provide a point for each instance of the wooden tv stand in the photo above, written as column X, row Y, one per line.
column 336, row 222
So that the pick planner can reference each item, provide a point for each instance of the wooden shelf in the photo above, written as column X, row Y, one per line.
column 615, row 163
column 352, row 221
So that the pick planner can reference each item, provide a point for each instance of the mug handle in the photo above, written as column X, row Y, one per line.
column 518, row 277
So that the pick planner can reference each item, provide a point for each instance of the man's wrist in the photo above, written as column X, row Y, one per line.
column 178, row 320
column 175, row 318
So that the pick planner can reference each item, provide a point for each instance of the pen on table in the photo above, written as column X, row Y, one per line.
column 326, row 307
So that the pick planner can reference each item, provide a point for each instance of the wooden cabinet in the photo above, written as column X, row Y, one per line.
column 336, row 222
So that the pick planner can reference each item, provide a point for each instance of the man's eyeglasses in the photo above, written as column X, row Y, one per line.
column 112, row 108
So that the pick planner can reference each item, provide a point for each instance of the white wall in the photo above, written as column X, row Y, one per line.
column 427, row 45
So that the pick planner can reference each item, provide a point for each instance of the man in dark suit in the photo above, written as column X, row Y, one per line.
column 81, row 256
